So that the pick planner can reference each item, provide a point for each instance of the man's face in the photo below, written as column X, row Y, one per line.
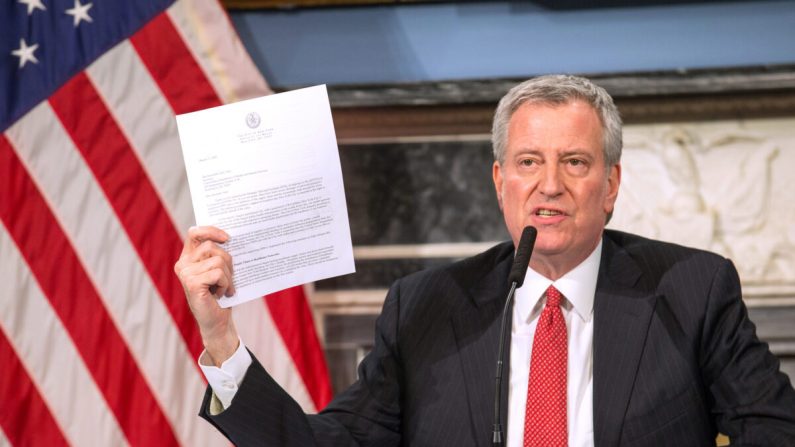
column 554, row 178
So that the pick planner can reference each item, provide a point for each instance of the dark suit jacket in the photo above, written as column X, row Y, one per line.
column 675, row 359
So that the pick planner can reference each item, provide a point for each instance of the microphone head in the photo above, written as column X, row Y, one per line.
column 522, row 257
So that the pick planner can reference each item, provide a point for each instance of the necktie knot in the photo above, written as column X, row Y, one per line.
column 553, row 297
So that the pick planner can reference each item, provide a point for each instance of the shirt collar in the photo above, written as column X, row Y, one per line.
column 578, row 286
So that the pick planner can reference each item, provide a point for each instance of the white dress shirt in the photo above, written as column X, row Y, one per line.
column 578, row 288
column 225, row 380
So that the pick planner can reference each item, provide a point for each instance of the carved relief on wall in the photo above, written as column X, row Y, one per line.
column 726, row 186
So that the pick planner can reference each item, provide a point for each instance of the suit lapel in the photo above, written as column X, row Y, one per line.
column 476, row 325
column 622, row 314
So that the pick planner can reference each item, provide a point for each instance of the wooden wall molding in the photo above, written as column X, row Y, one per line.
column 626, row 85
column 467, row 107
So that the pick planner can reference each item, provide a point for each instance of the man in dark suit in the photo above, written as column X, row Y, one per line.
column 615, row 339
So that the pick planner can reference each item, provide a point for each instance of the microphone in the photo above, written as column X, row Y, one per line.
column 515, row 278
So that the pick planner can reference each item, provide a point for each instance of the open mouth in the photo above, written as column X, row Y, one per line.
column 547, row 213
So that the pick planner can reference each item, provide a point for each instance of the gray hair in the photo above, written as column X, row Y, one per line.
column 559, row 89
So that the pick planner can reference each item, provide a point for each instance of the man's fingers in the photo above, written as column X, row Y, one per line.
column 200, row 234
column 206, row 249
column 211, row 275
column 227, row 284
column 197, row 235
column 231, row 290
column 200, row 255
column 214, row 281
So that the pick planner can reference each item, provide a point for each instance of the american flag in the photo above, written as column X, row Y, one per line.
column 97, row 344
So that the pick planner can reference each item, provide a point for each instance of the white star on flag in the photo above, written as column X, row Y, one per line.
column 33, row 5
column 79, row 12
column 25, row 53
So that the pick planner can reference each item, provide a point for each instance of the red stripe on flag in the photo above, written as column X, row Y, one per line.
column 127, row 186
column 290, row 312
column 24, row 416
column 57, row 269
column 187, row 89
column 173, row 67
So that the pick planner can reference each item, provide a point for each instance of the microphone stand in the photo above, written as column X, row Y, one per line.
column 516, row 277
column 497, row 433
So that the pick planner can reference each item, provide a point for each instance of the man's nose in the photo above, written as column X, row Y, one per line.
column 551, row 183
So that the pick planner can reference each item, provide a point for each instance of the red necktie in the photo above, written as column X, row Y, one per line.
column 545, row 413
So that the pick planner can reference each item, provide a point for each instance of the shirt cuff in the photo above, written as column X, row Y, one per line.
column 225, row 380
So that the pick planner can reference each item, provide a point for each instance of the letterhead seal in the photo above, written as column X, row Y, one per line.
column 253, row 120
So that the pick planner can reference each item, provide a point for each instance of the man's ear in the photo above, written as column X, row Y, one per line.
column 613, row 182
column 496, row 175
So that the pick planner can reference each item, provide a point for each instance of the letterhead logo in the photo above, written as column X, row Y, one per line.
column 253, row 120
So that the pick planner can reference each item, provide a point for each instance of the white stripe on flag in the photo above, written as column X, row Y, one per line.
column 46, row 349
column 4, row 442
column 254, row 323
column 210, row 37
column 113, row 265
column 148, row 123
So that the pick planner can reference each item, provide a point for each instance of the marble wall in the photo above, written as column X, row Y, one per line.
column 725, row 186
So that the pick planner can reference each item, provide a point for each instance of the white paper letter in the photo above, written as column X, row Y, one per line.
column 267, row 172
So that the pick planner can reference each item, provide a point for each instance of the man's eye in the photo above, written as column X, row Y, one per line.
column 575, row 162
column 527, row 162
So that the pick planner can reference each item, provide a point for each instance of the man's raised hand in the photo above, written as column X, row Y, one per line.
column 205, row 271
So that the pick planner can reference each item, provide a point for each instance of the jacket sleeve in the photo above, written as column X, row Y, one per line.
column 753, row 402
column 366, row 414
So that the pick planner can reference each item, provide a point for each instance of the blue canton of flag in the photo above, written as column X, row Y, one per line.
column 43, row 43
